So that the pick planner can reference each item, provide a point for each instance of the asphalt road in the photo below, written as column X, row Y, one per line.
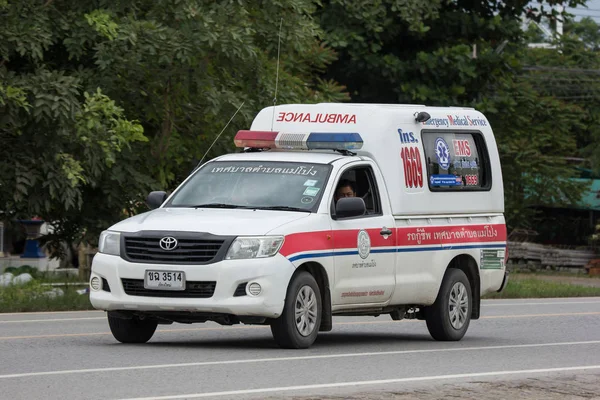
column 72, row 355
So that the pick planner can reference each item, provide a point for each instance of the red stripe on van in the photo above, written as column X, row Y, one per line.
column 306, row 241
column 413, row 236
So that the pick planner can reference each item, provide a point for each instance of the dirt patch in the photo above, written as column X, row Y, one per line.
column 580, row 387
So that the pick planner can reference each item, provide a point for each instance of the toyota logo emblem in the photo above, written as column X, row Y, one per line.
column 168, row 243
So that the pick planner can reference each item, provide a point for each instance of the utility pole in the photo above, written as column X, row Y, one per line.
column 559, row 22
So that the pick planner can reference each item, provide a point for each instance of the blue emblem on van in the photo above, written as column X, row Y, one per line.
column 407, row 137
column 442, row 153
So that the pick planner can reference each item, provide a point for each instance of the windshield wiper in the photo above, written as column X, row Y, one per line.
column 225, row 205
column 217, row 205
column 284, row 208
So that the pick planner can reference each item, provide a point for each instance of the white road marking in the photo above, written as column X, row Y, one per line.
column 491, row 304
column 54, row 312
column 21, row 321
column 365, row 383
column 297, row 358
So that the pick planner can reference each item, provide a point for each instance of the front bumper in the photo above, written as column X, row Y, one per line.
column 272, row 274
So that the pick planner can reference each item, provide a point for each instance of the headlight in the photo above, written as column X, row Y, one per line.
column 254, row 247
column 110, row 243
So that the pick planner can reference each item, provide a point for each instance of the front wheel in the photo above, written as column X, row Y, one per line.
column 298, row 325
column 449, row 317
column 132, row 330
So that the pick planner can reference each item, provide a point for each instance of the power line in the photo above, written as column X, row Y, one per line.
column 584, row 9
column 587, row 15
column 537, row 68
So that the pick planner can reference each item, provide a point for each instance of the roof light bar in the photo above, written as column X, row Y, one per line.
column 258, row 139
column 298, row 141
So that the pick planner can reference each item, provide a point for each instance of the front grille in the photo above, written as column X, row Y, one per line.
column 188, row 250
column 105, row 285
column 193, row 289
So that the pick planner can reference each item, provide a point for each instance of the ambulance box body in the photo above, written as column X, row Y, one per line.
column 327, row 209
column 386, row 130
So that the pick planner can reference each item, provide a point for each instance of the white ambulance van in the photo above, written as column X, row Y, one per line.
column 326, row 210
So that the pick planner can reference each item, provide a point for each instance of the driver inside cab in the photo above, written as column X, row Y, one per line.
column 345, row 188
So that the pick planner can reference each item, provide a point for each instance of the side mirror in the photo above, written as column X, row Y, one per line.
column 155, row 199
column 350, row 207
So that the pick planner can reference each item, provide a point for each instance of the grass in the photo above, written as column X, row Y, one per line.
column 543, row 272
column 520, row 287
column 33, row 296
column 39, row 295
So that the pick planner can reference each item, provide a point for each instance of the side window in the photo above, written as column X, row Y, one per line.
column 359, row 182
column 456, row 161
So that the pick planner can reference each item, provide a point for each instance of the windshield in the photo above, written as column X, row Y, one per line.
column 251, row 184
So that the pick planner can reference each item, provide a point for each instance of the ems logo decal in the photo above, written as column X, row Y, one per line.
column 442, row 152
column 364, row 244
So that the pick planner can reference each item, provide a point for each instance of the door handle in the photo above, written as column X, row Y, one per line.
column 385, row 232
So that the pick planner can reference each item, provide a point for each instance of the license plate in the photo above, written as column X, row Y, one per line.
column 164, row 280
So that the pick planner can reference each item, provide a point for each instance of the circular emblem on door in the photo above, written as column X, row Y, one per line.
column 364, row 244
column 168, row 243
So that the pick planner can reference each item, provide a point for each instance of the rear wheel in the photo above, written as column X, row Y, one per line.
column 298, row 325
column 449, row 317
column 132, row 330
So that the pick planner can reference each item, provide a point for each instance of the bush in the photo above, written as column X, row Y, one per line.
column 33, row 296
column 23, row 269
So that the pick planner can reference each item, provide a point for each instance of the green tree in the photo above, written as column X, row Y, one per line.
column 534, row 34
column 102, row 101
column 586, row 30
column 462, row 53
column 570, row 73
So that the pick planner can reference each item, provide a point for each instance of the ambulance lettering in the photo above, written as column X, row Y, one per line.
column 461, row 148
column 413, row 167
column 411, row 160
column 407, row 137
column 477, row 121
column 437, row 122
column 453, row 234
column 466, row 121
column 364, row 294
column 455, row 120
column 458, row 121
column 365, row 264
column 317, row 118
column 419, row 236
column 472, row 180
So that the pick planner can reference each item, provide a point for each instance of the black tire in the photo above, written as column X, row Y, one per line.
column 132, row 330
column 438, row 315
column 284, row 329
